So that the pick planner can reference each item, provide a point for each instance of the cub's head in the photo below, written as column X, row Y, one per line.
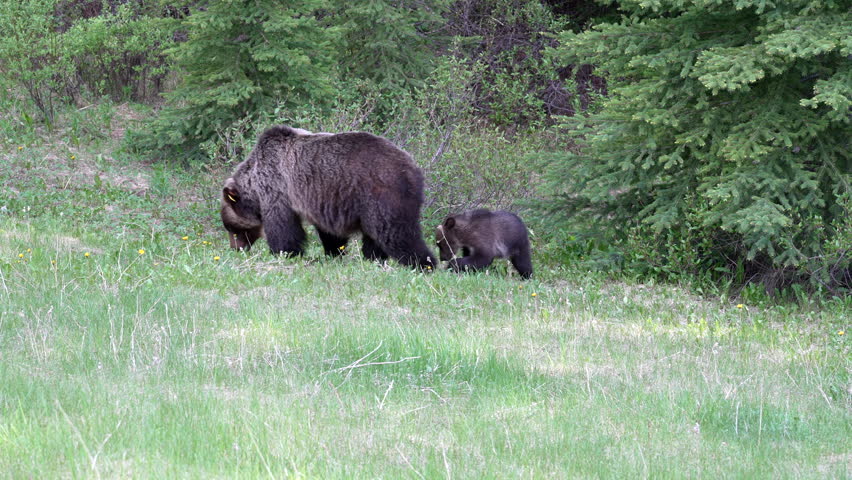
column 446, row 237
column 240, row 216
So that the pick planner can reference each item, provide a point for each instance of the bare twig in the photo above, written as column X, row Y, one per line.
column 382, row 402
column 351, row 367
column 445, row 140
column 357, row 363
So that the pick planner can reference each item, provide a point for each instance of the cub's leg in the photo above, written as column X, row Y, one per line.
column 522, row 262
column 472, row 263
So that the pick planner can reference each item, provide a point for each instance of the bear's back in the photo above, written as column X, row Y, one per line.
column 498, row 225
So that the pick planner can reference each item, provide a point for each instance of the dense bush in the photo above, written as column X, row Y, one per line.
column 726, row 128
column 243, row 59
column 32, row 54
column 119, row 50
column 390, row 45
column 64, row 51
column 519, row 85
column 469, row 162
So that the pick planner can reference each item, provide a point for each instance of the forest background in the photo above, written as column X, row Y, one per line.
column 699, row 141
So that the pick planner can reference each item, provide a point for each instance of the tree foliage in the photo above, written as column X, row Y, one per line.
column 240, row 58
column 509, row 37
column 246, row 58
column 390, row 44
column 729, row 118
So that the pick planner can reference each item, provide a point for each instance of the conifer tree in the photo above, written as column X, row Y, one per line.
column 243, row 57
column 732, row 118
column 390, row 44
column 245, row 60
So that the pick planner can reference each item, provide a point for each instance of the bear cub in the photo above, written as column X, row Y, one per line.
column 471, row 240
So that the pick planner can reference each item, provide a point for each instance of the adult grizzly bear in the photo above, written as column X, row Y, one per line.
column 340, row 183
column 471, row 240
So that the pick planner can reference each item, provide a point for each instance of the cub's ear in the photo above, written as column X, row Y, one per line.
column 449, row 223
column 230, row 192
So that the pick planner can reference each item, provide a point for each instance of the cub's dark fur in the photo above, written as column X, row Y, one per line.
column 340, row 183
column 471, row 240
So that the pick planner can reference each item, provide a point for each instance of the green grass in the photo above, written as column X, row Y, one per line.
column 172, row 363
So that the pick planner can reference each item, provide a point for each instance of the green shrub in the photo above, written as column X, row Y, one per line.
column 519, row 86
column 120, row 52
column 244, row 60
column 59, row 52
column 469, row 162
column 32, row 53
column 390, row 45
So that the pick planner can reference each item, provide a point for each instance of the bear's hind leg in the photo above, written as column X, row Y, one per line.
column 371, row 249
column 333, row 245
column 406, row 245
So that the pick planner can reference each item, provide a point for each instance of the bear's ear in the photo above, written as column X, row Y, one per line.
column 230, row 194
column 449, row 223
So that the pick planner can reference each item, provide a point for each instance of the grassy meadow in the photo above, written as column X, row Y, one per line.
column 133, row 343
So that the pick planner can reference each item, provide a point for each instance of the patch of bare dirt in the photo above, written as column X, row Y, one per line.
column 137, row 183
column 123, row 117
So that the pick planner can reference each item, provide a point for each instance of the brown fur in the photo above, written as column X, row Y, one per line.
column 341, row 183
column 471, row 240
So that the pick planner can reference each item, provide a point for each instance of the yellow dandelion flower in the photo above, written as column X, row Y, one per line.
column 184, row 237
column 20, row 255
column 841, row 333
column 73, row 157
column 342, row 248
column 53, row 262
column 740, row 305
column 20, row 148
column 29, row 250
column 86, row 254
column 534, row 294
column 216, row 258
column 141, row 251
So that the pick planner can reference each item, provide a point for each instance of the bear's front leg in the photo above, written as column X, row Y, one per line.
column 283, row 229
